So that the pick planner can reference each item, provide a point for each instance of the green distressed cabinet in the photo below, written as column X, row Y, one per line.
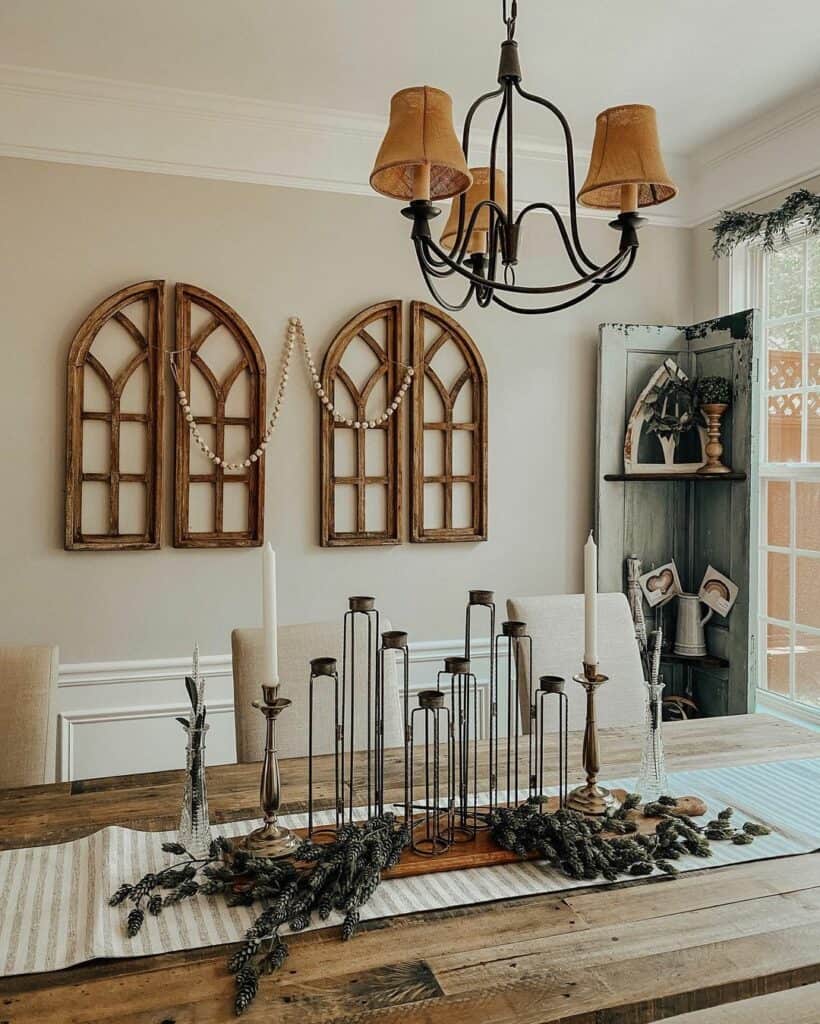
column 695, row 521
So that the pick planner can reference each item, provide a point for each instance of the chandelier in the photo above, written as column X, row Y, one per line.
column 421, row 160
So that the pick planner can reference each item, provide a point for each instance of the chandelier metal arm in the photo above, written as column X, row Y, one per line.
column 559, row 223
column 428, row 245
column 462, row 236
column 453, row 307
column 573, row 212
column 570, row 302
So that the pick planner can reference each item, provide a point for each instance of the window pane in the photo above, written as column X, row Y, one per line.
column 813, row 426
column 778, row 654
column 785, row 281
column 813, row 328
column 785, row 426
column 813, row 298
column 785, row 353
column 808, row 592
column 779, row 513
column 807, row 668
column 779, row 586
column 808, row 516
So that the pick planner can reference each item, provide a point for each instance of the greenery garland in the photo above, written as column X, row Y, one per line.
column 343, row 874
column 738, row 226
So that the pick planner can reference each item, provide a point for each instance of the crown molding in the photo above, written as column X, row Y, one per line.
column 776, row 150
column 80, row 119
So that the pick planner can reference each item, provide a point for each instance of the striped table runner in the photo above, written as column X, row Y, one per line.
column 53, row 899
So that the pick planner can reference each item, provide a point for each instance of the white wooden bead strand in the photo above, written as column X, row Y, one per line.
column 295, row 333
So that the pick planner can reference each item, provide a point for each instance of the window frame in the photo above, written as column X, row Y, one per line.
column 743, row 284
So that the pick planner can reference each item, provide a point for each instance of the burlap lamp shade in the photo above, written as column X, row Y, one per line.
column 420, row 156
column 477, row 192
column 626, row 152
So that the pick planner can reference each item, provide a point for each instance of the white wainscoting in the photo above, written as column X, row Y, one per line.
column 118, row 717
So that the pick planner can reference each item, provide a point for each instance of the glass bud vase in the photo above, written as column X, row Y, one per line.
column 194, row 821
column 652, row 781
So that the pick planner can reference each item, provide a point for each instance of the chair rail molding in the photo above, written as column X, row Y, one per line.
column 81, row 119
column 115, row 717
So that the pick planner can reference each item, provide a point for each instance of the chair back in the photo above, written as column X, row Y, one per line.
column 297, row 645
column 556, row 624
column 28, row 716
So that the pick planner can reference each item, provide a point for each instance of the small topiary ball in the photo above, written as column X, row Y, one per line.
column 714, row 391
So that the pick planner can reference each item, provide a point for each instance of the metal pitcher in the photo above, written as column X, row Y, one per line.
column 689, row 638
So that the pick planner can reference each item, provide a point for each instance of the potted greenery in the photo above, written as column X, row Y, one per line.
column 714, row 395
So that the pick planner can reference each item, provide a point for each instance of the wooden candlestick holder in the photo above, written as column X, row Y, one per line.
column 713, row 411
column 591, row 798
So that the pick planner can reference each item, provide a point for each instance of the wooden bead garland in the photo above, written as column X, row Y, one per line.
column 295, row 331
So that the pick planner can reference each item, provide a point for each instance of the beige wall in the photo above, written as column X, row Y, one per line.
column 72, row 235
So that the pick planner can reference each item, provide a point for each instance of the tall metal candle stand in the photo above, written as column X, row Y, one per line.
column 361, row 672
column 512, row 651
column 551, row 688
column 461, row 682
column 428, row 836
column 591, row 798
column 486, row 599
column 326, row 668
column 271, row 840
column 394, row 641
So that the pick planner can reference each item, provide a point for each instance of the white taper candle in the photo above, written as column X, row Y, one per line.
column 270, row 659
column 590, row 602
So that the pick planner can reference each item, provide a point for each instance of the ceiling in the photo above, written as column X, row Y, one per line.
column 707, row 65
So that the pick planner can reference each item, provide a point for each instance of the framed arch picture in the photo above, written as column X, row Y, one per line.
column 113, row 493
column 222, row 370
column 448, row 478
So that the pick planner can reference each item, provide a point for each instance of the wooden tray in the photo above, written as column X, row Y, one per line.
column 482, row 852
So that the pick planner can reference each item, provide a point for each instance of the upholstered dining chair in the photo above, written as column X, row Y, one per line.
column 556, row 624
column 296, row 646
column 28, row 716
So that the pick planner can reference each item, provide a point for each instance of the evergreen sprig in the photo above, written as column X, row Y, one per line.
column 322, row 878
column 581, row 847
column 738, row 226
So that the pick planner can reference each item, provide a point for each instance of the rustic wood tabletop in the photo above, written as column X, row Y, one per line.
column 722, row 945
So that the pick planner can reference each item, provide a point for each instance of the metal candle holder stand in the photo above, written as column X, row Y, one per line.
column 326, row 668
column 396, row 640
column 271, row 840
column 358, row 608
column 591, row 798
column 547, row 687
column 463, row 688
column 428, row 838
column 486, row 599
column 518, row 647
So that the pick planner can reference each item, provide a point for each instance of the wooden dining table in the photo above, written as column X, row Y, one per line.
column 728, row 944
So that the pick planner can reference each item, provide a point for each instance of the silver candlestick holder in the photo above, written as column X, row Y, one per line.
column 271, row 840
column 591, row 798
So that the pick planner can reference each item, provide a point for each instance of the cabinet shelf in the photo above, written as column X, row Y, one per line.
column 673, row 477
column 703, row 661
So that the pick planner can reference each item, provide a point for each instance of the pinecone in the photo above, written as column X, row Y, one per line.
column 247, row 981
column 350, row 924
column 155, row 905
column 134, row 922
column 243, row 955
column 120, row 896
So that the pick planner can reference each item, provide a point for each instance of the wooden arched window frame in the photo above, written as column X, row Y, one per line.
column 335, row 381
column 82, row 360
column 431, row 330
column 249, row 361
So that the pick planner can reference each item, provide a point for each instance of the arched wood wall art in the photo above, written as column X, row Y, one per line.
column 222, row 369
column 361, row 469
column 113, row 496
column 448, row 474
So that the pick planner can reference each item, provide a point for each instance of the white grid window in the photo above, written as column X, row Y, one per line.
column 789, row 286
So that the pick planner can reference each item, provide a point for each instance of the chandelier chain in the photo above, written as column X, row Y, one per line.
column 295, row 332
